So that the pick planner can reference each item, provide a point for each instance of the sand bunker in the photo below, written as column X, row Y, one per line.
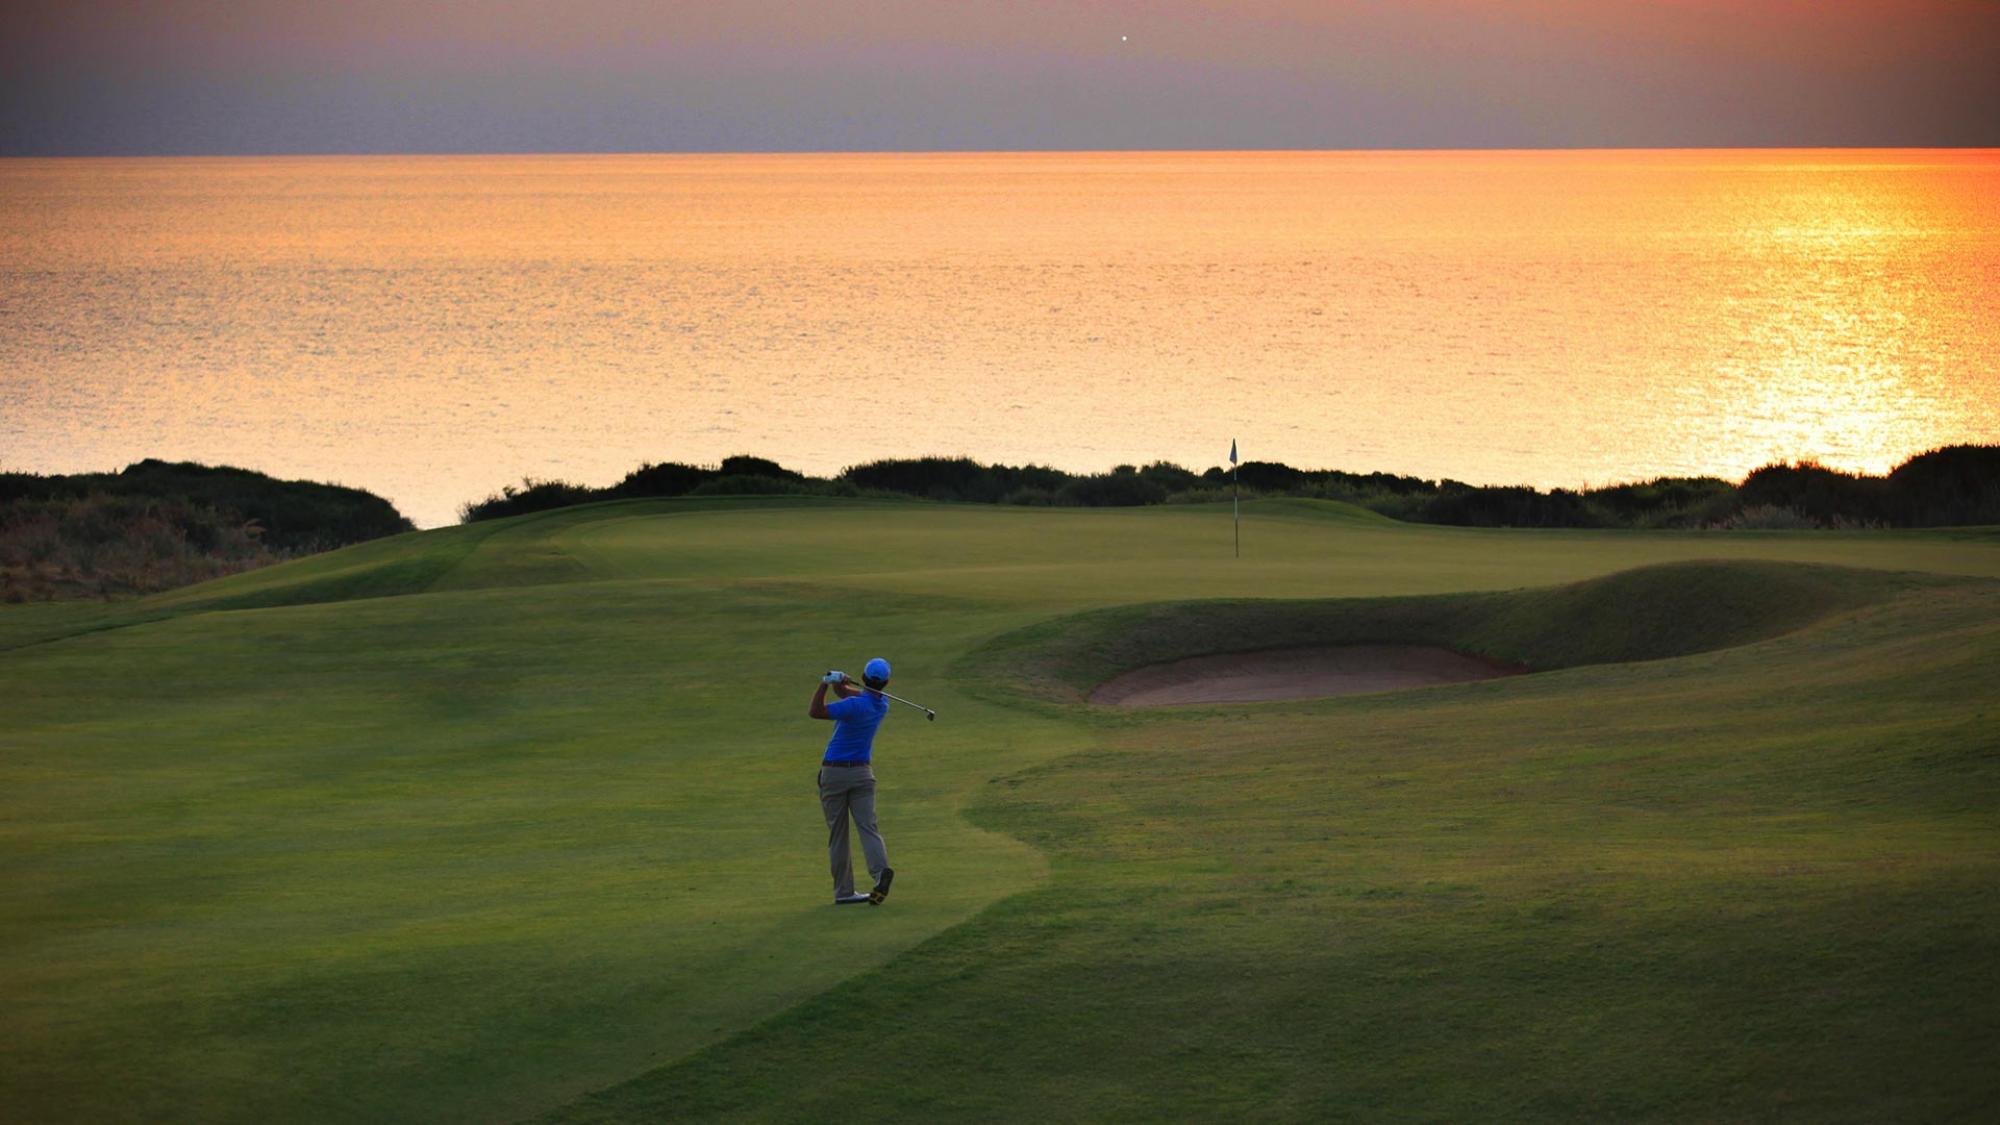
column 1299, row 673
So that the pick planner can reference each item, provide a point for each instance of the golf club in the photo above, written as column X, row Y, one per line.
column 846, row 679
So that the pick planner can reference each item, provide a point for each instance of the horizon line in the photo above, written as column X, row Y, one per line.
column 1190, row 151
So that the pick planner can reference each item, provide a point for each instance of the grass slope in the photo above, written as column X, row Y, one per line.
column 466, row 825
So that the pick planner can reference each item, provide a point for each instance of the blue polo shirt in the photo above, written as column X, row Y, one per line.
column 854, row 721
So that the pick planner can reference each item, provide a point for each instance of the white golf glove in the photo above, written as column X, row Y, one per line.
column 834, row 678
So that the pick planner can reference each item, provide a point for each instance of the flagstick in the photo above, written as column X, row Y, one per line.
column 1235, row 501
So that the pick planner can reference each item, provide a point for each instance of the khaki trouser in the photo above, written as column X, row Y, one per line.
column 846, row 791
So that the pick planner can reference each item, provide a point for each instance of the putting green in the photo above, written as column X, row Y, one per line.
column 513, row 819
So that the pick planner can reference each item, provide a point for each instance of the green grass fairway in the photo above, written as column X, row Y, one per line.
column 515, row 821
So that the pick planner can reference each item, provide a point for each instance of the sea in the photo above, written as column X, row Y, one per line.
column 433, row 328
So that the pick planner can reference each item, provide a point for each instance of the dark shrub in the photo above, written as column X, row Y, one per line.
column 745, row 466
column 1765, row 517
column 1508, row 507
column 669, row 479
column 296, row 516
column 1959, row 484
column 940, row 478
column 30, row 486
column 953, row 478
column 532, row 496
column 103, row 545
column 753, row 484
column 1664, row 502
column 1816, row 492
column 1200, row 494
column 1116, row 490
column 1388, row 483
column 1170, row 476
column 1272, row 476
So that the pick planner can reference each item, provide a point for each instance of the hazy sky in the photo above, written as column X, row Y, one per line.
column 212, row 76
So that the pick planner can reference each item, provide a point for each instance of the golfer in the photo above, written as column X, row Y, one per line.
column 847, row 781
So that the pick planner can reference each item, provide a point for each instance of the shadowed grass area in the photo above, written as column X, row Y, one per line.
column 467, row 825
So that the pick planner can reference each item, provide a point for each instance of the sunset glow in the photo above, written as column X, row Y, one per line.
column 181, row 76
column 437, row 327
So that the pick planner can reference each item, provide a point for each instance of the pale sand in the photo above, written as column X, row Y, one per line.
column 1298, row 673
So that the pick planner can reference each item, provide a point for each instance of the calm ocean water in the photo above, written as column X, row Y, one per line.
column 432, row 328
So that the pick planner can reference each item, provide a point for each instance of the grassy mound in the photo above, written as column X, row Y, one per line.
column 1650, row 613
column 530, row 550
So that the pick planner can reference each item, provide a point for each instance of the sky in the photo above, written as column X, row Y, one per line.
column 145, row 77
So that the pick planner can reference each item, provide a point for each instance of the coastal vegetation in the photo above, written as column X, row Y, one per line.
column 158, row 525
column 513, row 820
column 1955, row 485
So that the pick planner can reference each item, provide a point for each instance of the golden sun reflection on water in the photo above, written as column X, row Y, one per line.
column 435, row 327
column 1816, row 354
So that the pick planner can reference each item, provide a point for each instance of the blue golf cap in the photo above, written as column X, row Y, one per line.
column 876, row 673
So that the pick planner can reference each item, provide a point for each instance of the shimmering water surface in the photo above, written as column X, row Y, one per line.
column 434, row 327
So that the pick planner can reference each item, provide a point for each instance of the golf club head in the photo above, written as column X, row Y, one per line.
column 930, row 715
